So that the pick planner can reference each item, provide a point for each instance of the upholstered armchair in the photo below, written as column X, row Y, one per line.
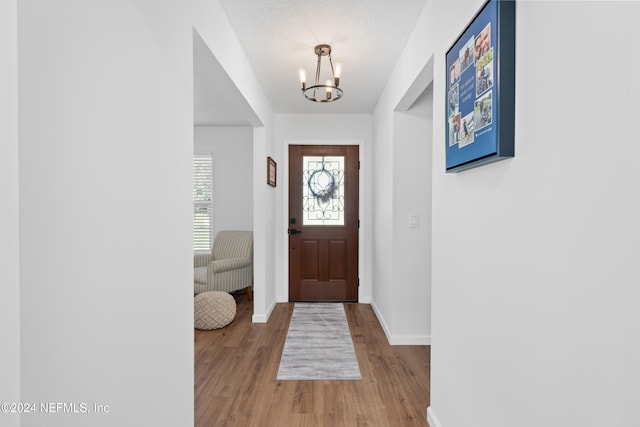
column 229, row 267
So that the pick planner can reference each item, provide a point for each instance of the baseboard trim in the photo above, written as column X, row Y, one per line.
column 385, row 328
column 262, row 318
column 431, row 418
column 399, row 339
column 410, row 340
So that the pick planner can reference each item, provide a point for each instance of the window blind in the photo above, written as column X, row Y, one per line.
column 202, row 202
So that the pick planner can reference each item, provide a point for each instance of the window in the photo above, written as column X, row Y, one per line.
column 323, row 190
column 202, row 202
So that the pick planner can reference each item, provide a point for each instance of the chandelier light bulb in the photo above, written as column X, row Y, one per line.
column 328, row 88
column 303, row 77
column 337, row 74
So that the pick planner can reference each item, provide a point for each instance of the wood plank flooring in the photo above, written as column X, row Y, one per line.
column 236, row 368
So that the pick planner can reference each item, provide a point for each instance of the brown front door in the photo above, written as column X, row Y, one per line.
column 323, row 222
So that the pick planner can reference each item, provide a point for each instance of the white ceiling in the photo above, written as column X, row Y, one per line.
column 278, row 37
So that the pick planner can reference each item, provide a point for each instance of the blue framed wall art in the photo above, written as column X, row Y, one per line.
column 480, row 97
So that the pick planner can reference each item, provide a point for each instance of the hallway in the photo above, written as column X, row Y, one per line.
column 236, row 367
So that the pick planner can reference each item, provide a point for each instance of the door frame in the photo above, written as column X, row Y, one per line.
column 364, row 255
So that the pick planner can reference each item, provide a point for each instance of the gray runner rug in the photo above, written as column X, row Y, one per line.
column 319, row 345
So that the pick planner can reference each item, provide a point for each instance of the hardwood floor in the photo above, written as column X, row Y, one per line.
column 236, row 368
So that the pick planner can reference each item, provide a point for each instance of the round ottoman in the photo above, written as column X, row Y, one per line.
column 214, row 310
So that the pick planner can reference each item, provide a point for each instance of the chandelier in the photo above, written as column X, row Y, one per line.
column 330, row 90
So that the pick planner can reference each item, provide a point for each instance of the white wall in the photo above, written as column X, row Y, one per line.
column 411, row 244
column 534, row 276
column 232, row 151
column 265, row 244
column 402, row 161
column 348, row 129
column 382, row 216
column 106, row 142
column 9, row 213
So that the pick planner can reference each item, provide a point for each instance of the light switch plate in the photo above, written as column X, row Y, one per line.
column 414, row 220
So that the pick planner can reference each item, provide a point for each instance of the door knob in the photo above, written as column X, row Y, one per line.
column 294, row 231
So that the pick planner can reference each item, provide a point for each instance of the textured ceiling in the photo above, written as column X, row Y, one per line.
column 366, row 36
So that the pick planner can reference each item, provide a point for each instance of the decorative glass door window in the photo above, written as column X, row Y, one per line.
column 323, row 190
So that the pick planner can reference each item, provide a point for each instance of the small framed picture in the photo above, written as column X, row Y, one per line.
column 271, row 171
